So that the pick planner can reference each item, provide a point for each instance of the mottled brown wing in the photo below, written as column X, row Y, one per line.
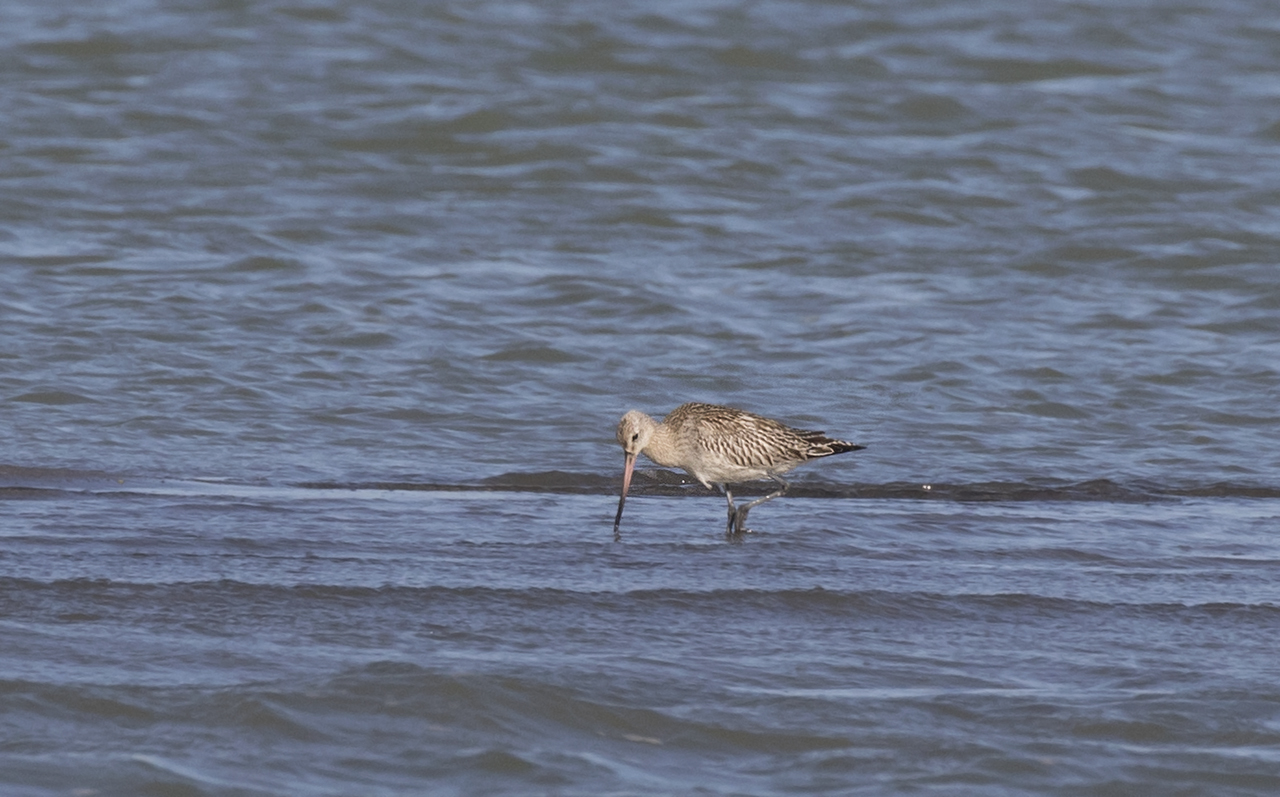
column 746, row 439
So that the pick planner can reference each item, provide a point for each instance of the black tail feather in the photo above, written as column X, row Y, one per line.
column 823, row 446
column 842, row 447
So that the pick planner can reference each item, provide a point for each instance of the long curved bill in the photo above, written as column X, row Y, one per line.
column 626, row 485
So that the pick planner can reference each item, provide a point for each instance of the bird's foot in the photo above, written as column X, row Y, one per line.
column 738, row 526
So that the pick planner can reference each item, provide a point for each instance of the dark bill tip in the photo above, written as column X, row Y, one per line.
column 617, row 520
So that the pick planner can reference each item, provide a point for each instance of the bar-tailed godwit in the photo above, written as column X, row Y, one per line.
column 721, row 446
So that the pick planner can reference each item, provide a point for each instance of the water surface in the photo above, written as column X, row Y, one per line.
column 319, row 318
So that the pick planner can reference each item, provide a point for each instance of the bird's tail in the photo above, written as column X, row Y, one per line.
column 823, row 446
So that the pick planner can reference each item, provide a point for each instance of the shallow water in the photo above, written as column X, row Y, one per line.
column 319, row 318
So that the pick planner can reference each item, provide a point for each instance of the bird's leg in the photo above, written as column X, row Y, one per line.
column 740, row 521
column 732, row 515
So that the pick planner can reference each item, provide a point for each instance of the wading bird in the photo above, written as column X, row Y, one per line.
column 721, row 446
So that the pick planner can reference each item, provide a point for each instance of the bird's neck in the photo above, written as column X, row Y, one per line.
column 662, row 448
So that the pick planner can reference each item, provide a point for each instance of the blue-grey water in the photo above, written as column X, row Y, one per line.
column 318, row 316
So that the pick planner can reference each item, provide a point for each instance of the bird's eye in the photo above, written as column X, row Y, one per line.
column 635, row 437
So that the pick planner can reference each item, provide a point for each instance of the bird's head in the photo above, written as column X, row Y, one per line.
column 635, row 430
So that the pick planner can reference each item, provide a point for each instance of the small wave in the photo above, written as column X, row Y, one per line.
column 528, row 707
column 21, row 594
column 669, row 483
column 26, row 482
column 470, row 722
